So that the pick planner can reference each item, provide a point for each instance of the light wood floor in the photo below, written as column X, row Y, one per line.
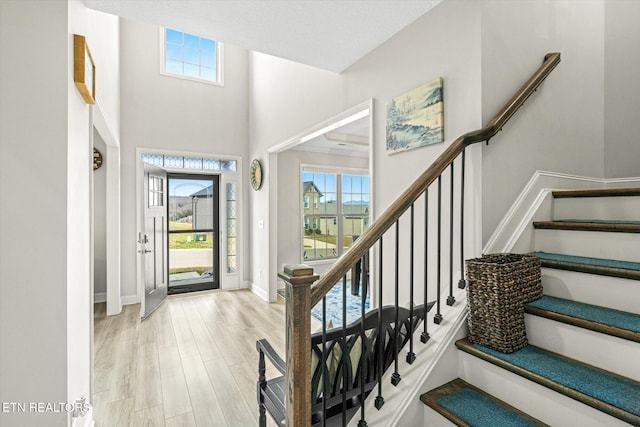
column 191, row 363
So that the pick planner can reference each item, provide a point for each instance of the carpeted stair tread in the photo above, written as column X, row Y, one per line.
column 605, row 391
column 599, row 221
column 612, row 226
column 466, row 405
column 601, row 192
column 605, row 267
column 601, row 319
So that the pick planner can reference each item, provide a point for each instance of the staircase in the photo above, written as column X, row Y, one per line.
column 582, row 364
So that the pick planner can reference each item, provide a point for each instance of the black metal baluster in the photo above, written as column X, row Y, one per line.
column 325, row 371
column 345, row 351
column 450, row 298
column 262, row 383
column 411, row 356
column 395, row 377
column 379, row 399
column 424, row 337
column 462, row 283
column 438, row 316
column 363, row 357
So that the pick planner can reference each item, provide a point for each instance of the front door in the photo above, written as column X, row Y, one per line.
column 193, row 232
column 153, row 241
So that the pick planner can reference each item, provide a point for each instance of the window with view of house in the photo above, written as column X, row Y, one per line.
column 335, row 212
column 189, row 56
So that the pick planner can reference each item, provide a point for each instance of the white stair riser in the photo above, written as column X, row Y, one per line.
column 618, row 246
column 604, row 351
column 617, row 208
column 538, row 401
column 605, row 291
column 434, row 419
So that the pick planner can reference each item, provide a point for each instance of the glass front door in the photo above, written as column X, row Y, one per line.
column 193, row 213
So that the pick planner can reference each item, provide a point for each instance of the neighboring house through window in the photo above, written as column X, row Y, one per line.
column 335, row 212
column 191, row 57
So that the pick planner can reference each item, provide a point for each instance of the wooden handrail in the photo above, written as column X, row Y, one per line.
column 409, row 196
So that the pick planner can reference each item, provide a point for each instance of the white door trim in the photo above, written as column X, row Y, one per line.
column 357, row 112
column 226, row 281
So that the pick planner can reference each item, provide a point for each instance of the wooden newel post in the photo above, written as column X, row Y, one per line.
column 298, row 279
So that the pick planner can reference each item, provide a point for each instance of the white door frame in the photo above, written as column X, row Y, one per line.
column 112, row 165
column 227, row 281
column 357, row 112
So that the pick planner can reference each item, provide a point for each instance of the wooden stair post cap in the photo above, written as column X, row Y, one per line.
column 296, row 270
column 298, row 274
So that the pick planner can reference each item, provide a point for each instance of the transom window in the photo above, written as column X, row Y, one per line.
column 335, row 212
column 180, row 162
column 190, row 56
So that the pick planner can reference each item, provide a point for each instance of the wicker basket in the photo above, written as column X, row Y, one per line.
column 498, row 287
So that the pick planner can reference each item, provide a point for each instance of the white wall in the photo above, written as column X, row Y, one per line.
column 169, row 113
column 33, row 155
column 79, row 168
column 622, row 91
column 287, row 98
column 103, row 38
column 290, row 197
column 100, row 222
column 45, row 134
column 560, row 128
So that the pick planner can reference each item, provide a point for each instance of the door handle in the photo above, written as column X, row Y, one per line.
column 145, row 251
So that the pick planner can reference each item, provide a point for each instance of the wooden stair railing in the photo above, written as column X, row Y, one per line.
column 304, row 289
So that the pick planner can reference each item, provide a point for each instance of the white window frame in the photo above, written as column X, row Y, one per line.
column 339, row 171
column 219, row 61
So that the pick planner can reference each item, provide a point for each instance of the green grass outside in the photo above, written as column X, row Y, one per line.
column 198, row 270
column 347, row 240
column 179, row 240
column 180, row 225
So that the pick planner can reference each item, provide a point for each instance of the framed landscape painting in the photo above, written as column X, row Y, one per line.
column 416, row 118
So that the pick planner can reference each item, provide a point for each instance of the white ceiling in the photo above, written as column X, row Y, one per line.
column 328, row 34
column 350, row 140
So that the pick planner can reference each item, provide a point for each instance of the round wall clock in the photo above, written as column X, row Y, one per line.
column 97, row 159
column 256, row 174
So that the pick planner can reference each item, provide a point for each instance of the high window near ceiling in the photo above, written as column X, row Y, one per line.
column 335, row 212
column 192, row 57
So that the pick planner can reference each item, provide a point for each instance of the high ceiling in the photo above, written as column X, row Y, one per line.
column 328, row 34
column 351, row 139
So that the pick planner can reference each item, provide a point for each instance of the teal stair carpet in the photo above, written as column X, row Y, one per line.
column 466, row 405
column 621, row 320
column 609, row 226
column 600, row 221
column 606, row 267
column 599, row 262
column 616, row 395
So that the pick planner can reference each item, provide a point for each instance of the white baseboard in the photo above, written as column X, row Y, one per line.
column 85, row 421
column 259, row 291
column 129, row 299
column 622, row 182
column 100, row 297
column 533, row 197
